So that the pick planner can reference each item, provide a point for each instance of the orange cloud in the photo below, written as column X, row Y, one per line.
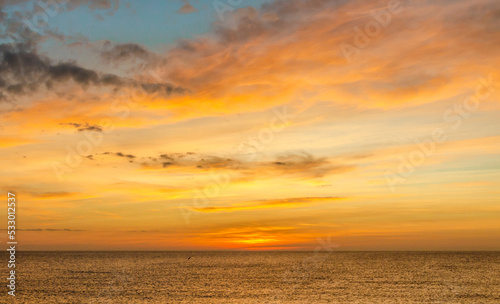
column 259, row 62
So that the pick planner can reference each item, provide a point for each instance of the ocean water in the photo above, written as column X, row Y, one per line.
column 257, row 277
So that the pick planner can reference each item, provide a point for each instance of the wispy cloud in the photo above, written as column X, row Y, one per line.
column 266, row 204
column 186, row 8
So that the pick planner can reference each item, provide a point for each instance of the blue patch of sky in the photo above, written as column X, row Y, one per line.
column 150, row 23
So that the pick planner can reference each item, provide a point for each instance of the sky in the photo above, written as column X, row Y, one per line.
column 251, row 125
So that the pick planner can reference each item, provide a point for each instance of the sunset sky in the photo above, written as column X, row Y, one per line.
column 251, row 124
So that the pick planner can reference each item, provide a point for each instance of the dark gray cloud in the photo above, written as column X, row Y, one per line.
column 124, row 52
column 274, row 18
column 23, row 72
column 84, row 127
column 299, row 163
column 137, row 60
column 120, row 154
column 192, row 160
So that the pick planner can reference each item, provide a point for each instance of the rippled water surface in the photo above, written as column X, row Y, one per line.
column 257, row 277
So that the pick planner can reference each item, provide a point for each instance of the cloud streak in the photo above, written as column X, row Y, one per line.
column 296, row 202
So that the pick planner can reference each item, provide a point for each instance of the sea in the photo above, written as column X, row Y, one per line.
column 255, row 277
